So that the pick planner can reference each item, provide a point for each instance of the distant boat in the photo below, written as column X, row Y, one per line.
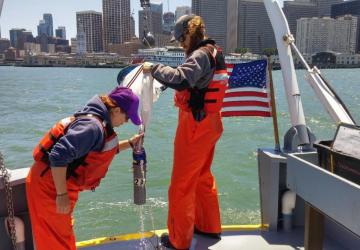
column 174, row 56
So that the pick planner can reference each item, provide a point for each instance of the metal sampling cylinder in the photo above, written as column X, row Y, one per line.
column 139, row 176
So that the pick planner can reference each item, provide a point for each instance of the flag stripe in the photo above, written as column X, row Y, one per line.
column 244, row 108
column 245, row 113
column 248, row 89
column 246, row 103
column 246, row 93
column 246, row 98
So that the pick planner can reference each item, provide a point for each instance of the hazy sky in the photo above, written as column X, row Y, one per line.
column 27, row 13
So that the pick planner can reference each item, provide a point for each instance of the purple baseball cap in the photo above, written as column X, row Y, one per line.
column 128, row 102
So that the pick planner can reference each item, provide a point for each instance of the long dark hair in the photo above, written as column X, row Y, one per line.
column 196, row 30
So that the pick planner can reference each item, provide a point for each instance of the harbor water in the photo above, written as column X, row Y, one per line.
column 32, row 99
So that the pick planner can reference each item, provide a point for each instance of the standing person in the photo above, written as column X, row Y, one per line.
column 74, row 156
column 200, row 84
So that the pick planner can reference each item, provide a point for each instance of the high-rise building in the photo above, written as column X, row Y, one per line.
column 90, row 23
column 169, row 22
column 73, row 45
column 294, row 10
column 1, row 5
column 324, row 6
column 15, row 37
column 46, row 25
column 254, row 27
column 132, row 27
column 153, row 22
column 182, row 10
column 327, row 34
column 80, row 42
column 214, row 14
column 348, row 8
column 4, row 44
column 232, row 25
column 116, row 20
column 49, row 22
column 42, row 28
column 60, row 32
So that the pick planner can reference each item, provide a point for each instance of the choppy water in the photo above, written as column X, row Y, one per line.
column 32, row 99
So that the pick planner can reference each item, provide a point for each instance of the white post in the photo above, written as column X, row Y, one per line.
column 283, row 38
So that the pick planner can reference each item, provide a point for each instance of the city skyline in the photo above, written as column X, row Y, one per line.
column 64, row 13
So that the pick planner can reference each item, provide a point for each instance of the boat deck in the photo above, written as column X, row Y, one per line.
column 231, row 240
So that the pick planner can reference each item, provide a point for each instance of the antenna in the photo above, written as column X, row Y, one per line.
column 168, row 5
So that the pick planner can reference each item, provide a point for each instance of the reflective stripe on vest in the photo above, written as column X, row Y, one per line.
column 215, row 93
column 111, row 144
column 221, row 75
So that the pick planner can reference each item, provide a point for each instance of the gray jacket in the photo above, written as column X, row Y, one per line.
column 196, row 71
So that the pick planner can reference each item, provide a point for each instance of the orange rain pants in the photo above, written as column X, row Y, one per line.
column 193, row 199
column 50, row 230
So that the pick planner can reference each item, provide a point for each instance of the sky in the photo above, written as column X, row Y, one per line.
column 27, row 13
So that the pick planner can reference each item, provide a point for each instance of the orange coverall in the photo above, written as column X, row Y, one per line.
column 193, row 197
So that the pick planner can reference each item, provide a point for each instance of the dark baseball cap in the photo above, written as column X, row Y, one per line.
column 180, row 27
column 127, row 101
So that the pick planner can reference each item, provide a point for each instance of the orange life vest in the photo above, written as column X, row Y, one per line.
column 214, row 94
column 86, row 171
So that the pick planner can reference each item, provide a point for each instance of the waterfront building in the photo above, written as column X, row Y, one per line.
column 162, row 40
column 294, row 10
column 324, row 6
column 4, row 44
column 32, row 48
column 90, row 23
column 80, row 42
column 182, row 10
column 348, row 59
column 28, row 36
column 10, row 54
column 16, row 37
column 351, row 7
column 214, row 14
column 116, row 22
column 169, row 22
column 73, row 46
column 232, row 26
column 327, row 34
column 132, row 27
column 42, row 28
column 348, row 8
column 75, row 60
column 60, row 32
column 255, row 30
column 126, row 49
column 153, row 23
column 47, row 43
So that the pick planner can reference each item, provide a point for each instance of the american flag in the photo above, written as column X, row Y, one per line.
column 247, row 94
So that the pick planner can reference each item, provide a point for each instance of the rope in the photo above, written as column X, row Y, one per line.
column 9, row 201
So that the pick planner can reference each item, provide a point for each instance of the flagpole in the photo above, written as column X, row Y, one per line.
column 273, row 107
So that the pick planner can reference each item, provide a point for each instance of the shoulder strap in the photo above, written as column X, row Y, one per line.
column 211, row 51
column 108, row 130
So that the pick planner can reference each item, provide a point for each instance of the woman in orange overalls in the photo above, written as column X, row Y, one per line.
column 74, row 156
column 200, row 84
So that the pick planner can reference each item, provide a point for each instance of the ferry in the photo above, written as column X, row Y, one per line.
column 297, row 192
column 174, row 56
